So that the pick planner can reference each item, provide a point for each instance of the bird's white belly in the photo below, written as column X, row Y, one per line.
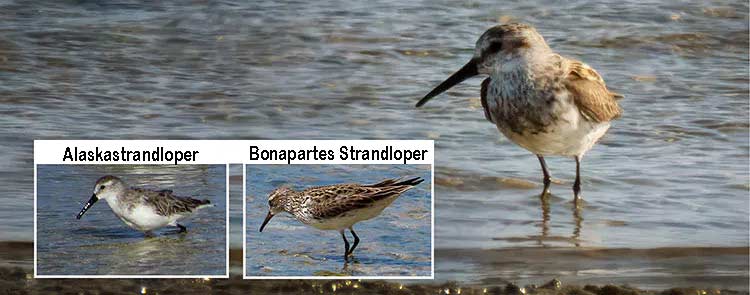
column 564, row 140
column 569, row 135
column 144, row 218
column 349, row 218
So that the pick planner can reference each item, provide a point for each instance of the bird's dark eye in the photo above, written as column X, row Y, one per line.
column 494, row 47
column 101, row 187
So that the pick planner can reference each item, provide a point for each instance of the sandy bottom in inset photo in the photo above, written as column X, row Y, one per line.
column 101, row 244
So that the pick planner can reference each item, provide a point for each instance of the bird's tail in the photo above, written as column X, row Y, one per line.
column 199, row 204
column 412, row 181
column 398, row 182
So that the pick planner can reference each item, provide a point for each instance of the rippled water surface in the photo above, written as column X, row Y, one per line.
column 672, row 172
column 395, row 243
column 100, row 244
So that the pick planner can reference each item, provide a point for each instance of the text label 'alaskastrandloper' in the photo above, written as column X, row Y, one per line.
column 345, row 153
column 158, row 154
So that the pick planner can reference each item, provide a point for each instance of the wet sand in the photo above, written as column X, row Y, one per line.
column 16, row 275
column 18, row 281
column 653, row 269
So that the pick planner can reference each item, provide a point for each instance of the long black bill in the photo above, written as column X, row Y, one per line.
column 87, row 206
column 268, row 218
column 469, row 70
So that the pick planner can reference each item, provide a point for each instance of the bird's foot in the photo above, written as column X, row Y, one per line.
column 546, row 191
column 350, row 259
column 349, row 256
column 577, row 201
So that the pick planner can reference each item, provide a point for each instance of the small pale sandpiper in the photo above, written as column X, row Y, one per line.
column 338, row 207
column 143, row 209
column 546, row 103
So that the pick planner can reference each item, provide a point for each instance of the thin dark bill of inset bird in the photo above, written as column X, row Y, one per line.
column 143, row 209
column 546, row 103
column 339, row 206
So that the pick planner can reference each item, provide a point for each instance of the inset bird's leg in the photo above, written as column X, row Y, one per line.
column 547, row 180
column 356, row 241
column 346, row 246
column 577, row 183
column 183, row 229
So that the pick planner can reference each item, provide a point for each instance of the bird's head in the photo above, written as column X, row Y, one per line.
column 277, row 200
column 105, row 187
column 492, row 48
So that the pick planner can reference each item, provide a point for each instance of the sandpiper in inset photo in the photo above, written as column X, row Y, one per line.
column 338, row 207
column 147, row 231
column 546, row 103
column 143, row 209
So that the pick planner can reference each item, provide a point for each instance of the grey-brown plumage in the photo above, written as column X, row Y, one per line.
column 339, row 206
column 591, row 96
column 542, row 101
column 166, row 203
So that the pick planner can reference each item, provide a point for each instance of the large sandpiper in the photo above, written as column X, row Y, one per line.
column 338, row 207
column 546, row 103
column 143, row 209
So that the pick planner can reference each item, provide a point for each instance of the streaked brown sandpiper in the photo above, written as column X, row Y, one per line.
column 338, row 207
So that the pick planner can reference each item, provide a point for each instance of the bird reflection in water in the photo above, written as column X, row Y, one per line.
column 146, row 253
column 545, row 234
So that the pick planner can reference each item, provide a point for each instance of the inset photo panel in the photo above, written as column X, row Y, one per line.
column 334, row 220
column 117, row 221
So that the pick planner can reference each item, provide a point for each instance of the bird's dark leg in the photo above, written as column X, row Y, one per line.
column 577, row 183
column 356, row 241
column 346, row 246
column 183, row 229
column 547, row 180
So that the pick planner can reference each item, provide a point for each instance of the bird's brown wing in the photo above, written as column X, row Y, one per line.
column 334, row 200
column 590, row 94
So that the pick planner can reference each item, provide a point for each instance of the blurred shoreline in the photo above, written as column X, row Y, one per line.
column 708, row 269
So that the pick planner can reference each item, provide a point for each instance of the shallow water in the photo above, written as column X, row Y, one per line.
column 672, row 172
column 395, row 243
column 100, row 244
